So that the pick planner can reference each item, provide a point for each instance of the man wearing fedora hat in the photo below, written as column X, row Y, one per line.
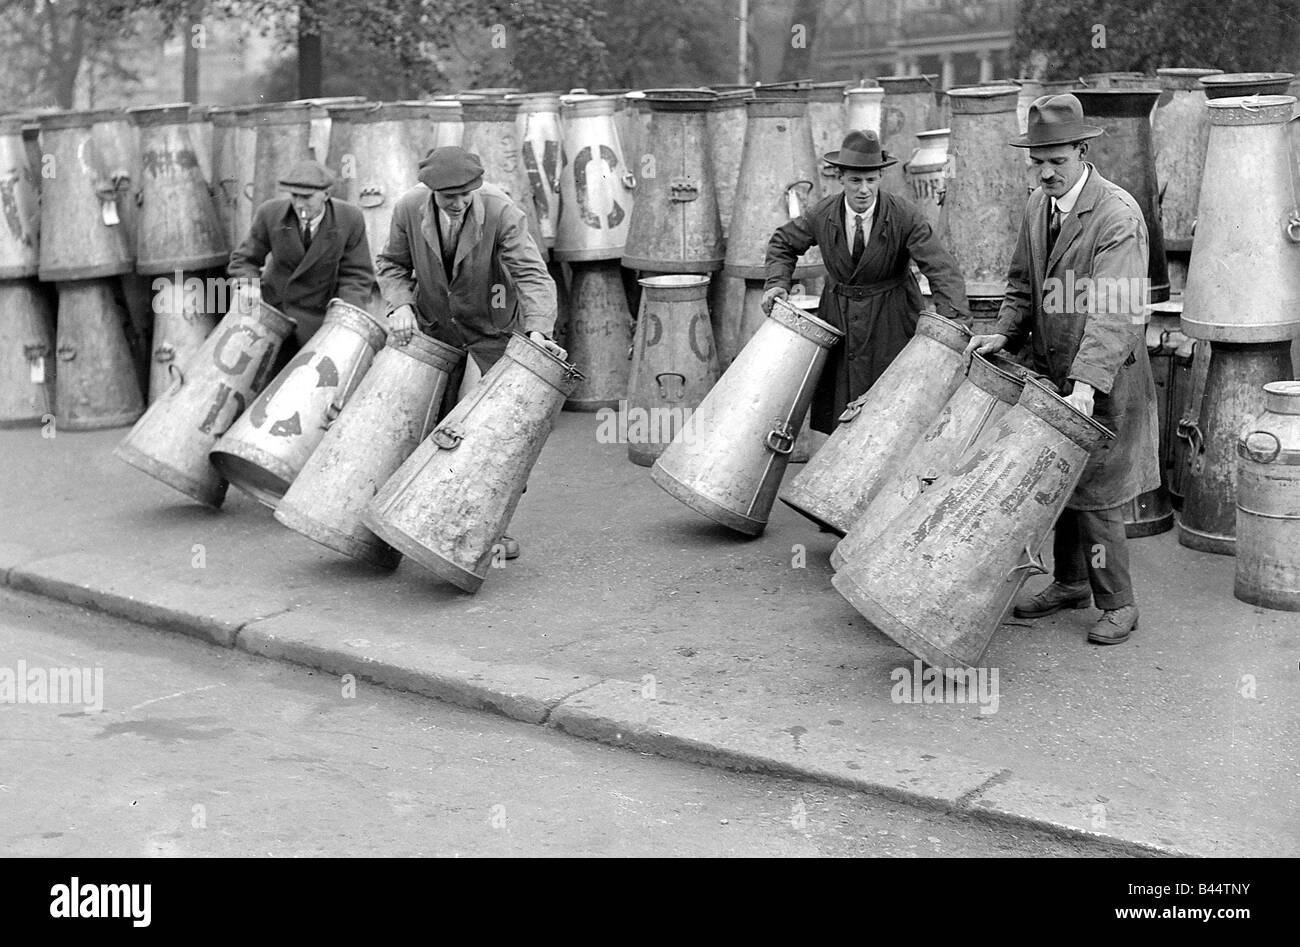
column 868, row 240
column 1080, row 230
column 318, row 251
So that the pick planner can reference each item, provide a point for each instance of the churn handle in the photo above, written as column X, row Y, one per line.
column 1034, row 564
column 177, row 376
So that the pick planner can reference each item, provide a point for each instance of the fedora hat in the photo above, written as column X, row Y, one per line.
column 1055, row 120
column 860, row 152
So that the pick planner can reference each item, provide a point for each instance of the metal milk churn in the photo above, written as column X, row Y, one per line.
column 1268, row 502
column 179, row 228
column 599, row 336
column 927, row 172
column 448, row 505
column 727, row 118
column 728, row 459
column 380, row 164
column 182, row 321
column 986, row 192
column 394, row 409
column 26, row 354
column 595, row 183
column 541, row 142
column 206, row 395
column 989, row 390
column 827, row 128
column 340, row 158
column 1180, row 132
column 1232, row 84
column 939, row 577
column 225, row 175
column 864, row 109
column 908, row 107
column 282, row 137
column 20, row 230
column 95, row 383
column 267, row 446
column 674, row 363
column 675, row 226
column 201, row 133
column 1125, row 156
column 878, row 429
column 491, row 133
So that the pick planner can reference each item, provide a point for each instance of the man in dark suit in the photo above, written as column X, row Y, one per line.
column 318, row 250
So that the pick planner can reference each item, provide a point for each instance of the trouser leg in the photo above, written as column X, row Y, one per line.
column 1071, row 568
column 1099, row 554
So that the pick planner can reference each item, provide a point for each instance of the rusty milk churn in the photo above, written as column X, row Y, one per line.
column 267, row 446
column 595, row 183
column 491, row 133
column 939, row 577
column 908, row 108
column 1179, row 133
column 26, row 354
column 675, row 225
column 988, row 392
column 599, row 336
column 207, row 394
column 1268, row 502
column 864, row 109
column 394, row 409
column 448, row 505
column 986, row 191
column 927, row 172
column 380, row 162
column 826, row 125
column 20, row 231
column 95, row 383
column 674, row 363
column 878, row 429
column 541, row 142
column 182, row 321
column 728, row 460
column 726, row 121
column 179, row 228
column 282, row 137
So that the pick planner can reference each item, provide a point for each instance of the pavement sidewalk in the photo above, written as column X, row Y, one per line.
column 634, row 621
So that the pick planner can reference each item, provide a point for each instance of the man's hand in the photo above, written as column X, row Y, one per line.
column 544, row 342
column 1081, row 399
column 401, row 324
column 771, row 296
column 984, row 345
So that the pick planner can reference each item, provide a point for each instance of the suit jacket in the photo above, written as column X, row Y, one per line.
column 1081, row 314
column 301, row 283
column 499, row 283
column 879, row 324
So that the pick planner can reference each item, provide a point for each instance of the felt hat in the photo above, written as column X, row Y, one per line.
column 1055, row 120
column 860, row 152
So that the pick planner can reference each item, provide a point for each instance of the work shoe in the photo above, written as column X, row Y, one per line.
column 511, row 547
column 1052, row 599
column 1114, row 626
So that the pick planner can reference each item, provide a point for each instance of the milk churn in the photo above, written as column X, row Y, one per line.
column 1180, row 132
column 201, row 132
column 246, row 163
column 491, row 133
column 985, row 197
column 726, row 121
column 939, row 577
column 826, row 125
column 927, row 172
column 340, row 158
column 596, row 183
column 864, row 109
column 282, row 138
column 380, row 164
column 225, row 170
column 95, row 383
column 878, row 429
column 394, row 409
column 448, row 505
column 908, row 107
column 179, row 228
column 117, row 140
column 267, row 446
column 1243, row 281
column 26, row 354
column 674, row 363
column 82, row 203
column 206, row 395
column 182, row 321
column 988, row 392
column 778, row 181
column 675, row 225
column 599, row 336
column 21, row 227
column 728, row 459
column 1125, row 153
column 541, row 142
column 1268, row 502
column 1233, row 84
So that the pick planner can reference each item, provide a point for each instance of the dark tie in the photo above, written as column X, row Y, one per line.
column 859, row 243
column 306, row 236
column 1053, row 229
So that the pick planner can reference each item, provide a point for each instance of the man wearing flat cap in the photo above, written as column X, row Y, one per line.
column 318, row 250
column 1082, row 231
column 868, row 238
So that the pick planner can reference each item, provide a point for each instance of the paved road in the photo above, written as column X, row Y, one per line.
column 202, row 751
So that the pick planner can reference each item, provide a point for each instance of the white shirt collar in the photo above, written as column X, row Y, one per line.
column 867, row 218
column 314, row 223
column 1065, row 203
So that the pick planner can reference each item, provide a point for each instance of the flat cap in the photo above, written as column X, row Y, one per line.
column 307, row 175
column 451, row 168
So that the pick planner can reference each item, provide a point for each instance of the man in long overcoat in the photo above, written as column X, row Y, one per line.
column 868, row 238
column 1075, row 296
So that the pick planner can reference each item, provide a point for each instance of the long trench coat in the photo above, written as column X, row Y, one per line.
column 1081, row 313
column 876, row 303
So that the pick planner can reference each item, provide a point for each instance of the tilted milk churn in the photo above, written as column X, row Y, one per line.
column 95, row 383
column 1233, row 84
column 927, row 172
column 267, row 446
column 939, row 577
column 541, row 143
column 989, row 390
column 1268, row 502
column 206, row 395
column 595, row 184
column 380, row 164
column 728, row 460
column 864, row 109
column 675, row 225
column 182, row 321
column 986, row 192
column 491, row 133
column 448, row 505
column 82, row 203
column 599, row 336
column 282, row 137
column 674, row 363
column 394, row 409
column 26, row 354
column 179, row 228
column 726, row 121
column 1126, row 154
column 878, row 429
column 1179, row 133
column 827, row 128
column 20, row 230
column 908, row 107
